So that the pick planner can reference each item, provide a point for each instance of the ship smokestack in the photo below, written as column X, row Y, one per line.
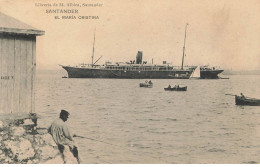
column 139, row 57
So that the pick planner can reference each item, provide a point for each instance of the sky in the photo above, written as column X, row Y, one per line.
column 224, row 33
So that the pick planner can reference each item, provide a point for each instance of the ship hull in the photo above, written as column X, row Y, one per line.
column 74, row 72
column 210, row 74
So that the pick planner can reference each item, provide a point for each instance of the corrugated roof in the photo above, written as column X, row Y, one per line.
column 11, row 25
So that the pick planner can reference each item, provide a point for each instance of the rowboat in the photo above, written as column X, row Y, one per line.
column 146, row 84
column 242, row 100
column 176, row 88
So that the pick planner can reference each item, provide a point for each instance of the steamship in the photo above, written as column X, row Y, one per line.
column 207, row 72
column 138, row 69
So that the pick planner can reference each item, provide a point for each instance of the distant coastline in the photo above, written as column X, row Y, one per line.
column 249, row 72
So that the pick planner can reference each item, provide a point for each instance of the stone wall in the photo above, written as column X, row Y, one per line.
column 22, row 142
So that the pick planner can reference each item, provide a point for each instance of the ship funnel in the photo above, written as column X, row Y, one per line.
column 139, row 57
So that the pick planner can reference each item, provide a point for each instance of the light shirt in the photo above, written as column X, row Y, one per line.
column 60, row 133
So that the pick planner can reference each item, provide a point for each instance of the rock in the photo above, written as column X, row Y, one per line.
column 38, row 140
column 10, row 154
column 17, row 131
column 30, row 138
column 8, row 160
column 47, row 152
column 68, row 156
column 4, row 137
column 45, row 139
column 30, row 162
column 35, row 161
column 29, row 128
column 57, row 160
column 20, row 150
column 2, row 157
column 18, row 145
column 42, row 131
column 36, row 147
column 1, row 125
column 28, row 122
column 18, row 122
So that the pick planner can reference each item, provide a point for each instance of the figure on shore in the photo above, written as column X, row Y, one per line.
column 62, row 136
column 242, row 96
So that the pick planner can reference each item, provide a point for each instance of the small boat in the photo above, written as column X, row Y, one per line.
column 242, row 100
column 146, row 84
column 176, row 88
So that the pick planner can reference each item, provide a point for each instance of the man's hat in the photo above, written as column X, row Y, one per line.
column 64, row 112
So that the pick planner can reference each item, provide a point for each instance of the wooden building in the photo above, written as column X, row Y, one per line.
column 17, row 65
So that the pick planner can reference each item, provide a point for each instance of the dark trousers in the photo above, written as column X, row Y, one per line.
column 74, row 150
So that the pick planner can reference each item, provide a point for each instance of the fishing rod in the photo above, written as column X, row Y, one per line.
column 83, row 137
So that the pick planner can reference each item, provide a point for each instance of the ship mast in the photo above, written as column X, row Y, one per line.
column 184, row 47
column 93, row 49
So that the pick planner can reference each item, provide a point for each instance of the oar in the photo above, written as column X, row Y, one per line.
column 252, row 98
column 79, row 136
column 245, row 96
column 230, row 94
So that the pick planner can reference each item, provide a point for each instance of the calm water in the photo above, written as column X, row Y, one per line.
column 149, row 125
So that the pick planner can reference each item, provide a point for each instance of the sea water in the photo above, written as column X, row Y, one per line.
column 123, row 123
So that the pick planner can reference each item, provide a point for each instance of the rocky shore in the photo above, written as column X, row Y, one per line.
column 22, row 142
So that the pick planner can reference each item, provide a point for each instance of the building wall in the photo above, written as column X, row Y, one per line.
column 17, row 70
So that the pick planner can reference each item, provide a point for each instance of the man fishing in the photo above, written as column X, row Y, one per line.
column 62, row 136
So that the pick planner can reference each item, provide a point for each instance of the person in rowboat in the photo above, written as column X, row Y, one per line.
column 62, row 136
column 242, row 96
